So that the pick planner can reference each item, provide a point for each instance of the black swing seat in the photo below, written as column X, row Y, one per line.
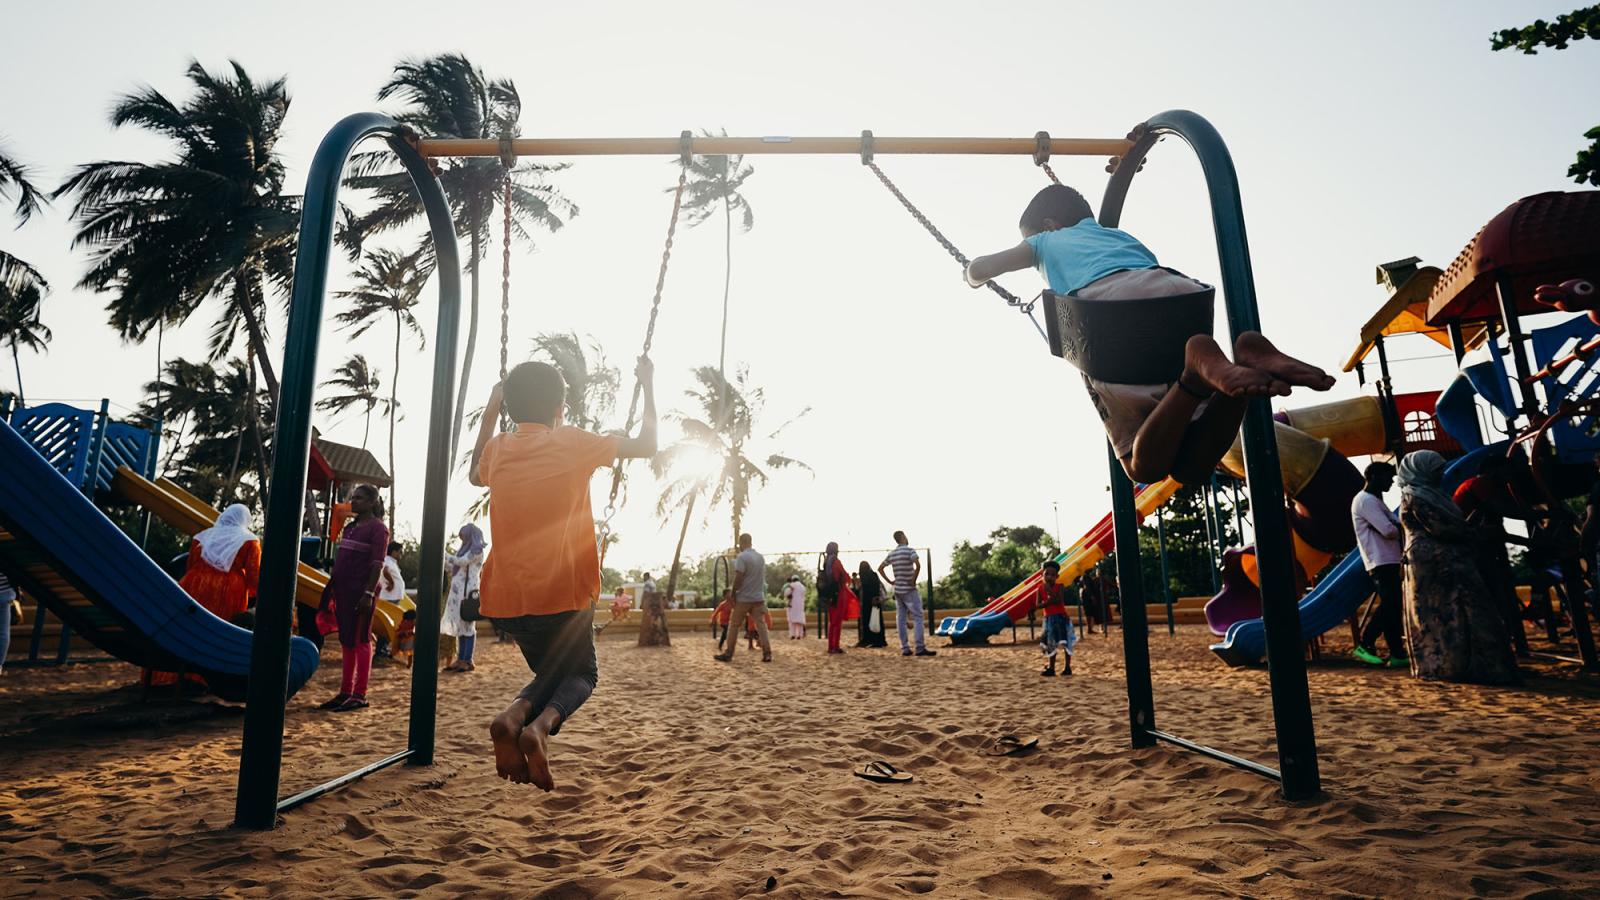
column 1127, row 341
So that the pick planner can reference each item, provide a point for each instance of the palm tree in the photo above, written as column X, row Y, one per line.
column 388, row 284
column 21, row 286
column 19, row 319
column 212, row 425
column 591, row 387
column 714, row 461
column 362, row 389
column 448, row 96
column 714, row 182
column 15, row 273
column 212, row 222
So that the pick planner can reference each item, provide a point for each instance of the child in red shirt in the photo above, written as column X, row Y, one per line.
column 1058, row 631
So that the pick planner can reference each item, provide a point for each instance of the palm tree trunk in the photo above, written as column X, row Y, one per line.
column 472, row 338
column 366, row 428
column 654, row 616
column 253, row 409
column 233, row 472
column 258, row 343
column 394, row 394
column 17, row 363
column 727, row 282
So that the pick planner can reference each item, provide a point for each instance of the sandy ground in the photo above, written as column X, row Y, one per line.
column 684, row 777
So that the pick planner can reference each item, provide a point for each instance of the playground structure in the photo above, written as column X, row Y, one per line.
column 76, row 563
column 257, row 801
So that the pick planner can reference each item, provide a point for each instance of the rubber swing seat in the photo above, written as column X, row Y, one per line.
column 1127, row 341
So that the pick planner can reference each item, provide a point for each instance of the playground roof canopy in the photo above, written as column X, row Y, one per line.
column 1405, row 312
column 1539, row 239
column 350, row 465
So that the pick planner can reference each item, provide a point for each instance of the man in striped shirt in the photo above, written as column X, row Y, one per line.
column 907, row 602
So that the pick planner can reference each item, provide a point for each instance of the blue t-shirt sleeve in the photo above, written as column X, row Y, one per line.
column 1036, row 241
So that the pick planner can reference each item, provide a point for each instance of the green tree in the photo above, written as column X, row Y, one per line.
column 360, row 388
column 714, row 184
column 207, row 428
column 1574, row 26
column 22, row 288
column 388, row 286
column 211, row 222
column 447, row 96
column 980, row 572
column 716, row 462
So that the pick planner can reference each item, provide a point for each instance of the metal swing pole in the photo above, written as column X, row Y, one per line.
column 261, row 756
column 1291, row 696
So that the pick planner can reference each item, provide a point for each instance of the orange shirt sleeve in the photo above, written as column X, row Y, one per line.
column 591, row 451
column 491, row 452
column 248, row 562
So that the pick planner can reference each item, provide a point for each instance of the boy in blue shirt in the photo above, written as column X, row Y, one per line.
column 1180, row 429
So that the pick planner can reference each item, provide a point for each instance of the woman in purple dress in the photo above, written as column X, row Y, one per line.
column 352, row 591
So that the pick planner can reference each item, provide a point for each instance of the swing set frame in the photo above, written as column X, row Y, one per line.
column 257, row 805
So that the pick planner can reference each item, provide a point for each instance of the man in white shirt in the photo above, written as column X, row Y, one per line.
column 391, row 584
column 1378, row 537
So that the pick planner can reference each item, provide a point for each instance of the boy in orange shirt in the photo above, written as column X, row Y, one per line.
column 542, row 576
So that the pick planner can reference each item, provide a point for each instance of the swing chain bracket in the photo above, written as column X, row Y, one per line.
column 1041, row 158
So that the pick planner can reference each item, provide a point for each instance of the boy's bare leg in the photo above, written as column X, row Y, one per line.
column 1208, row 439
column 1254, row 351
column 505, row 730
column 1162, row 439
column 533, row 743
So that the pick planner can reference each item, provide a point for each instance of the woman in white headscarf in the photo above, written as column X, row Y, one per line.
column 222, row 574
column 1455, row 631
column 464, row 566
column 224, row 565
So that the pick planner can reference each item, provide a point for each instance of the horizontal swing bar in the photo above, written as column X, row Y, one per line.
column 672, row 146
column 1214, row 753
column 307, row 796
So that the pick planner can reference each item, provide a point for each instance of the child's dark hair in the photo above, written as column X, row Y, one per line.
column 1050, row 564
column 1058, row 202
column 410, row 615
column 533, row 392
column 396, row 547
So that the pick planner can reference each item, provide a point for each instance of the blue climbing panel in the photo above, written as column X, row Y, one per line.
column 1576, row 438
column 86, row 446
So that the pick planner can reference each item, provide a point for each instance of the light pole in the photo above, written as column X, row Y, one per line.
column 1056, row 508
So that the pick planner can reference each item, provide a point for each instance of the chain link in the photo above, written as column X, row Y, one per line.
column 1049, row 171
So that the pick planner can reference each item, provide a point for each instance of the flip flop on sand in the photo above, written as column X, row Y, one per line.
column 883, row 773
column 1011, row 745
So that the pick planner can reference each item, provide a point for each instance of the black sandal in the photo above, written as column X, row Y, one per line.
column 882, row 773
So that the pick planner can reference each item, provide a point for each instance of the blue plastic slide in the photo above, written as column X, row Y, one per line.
column 74, row 561
column 1338, row 595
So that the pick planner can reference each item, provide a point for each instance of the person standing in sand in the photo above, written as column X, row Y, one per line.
column 465, row 568
column 794, row 599
column 907, row 602
column 749, row 600
column 1378, row 538
column 1456, row 633
column 352, row 591
column 541, row 579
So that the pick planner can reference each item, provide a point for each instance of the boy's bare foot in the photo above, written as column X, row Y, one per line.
column 532, row 742
column 1253, row 350
column 1206, row 360
column 508, row 759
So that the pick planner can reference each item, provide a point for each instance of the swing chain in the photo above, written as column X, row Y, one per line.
column 649, row 338
column 866, row 159
column 508, row 161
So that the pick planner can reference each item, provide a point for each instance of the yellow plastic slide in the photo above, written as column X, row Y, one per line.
column 190, row 515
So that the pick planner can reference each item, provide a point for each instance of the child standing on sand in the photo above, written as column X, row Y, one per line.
column 1058, row 633
column 542, row 576
column 1180, row 429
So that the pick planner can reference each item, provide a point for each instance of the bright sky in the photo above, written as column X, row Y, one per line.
column 1362, row 132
